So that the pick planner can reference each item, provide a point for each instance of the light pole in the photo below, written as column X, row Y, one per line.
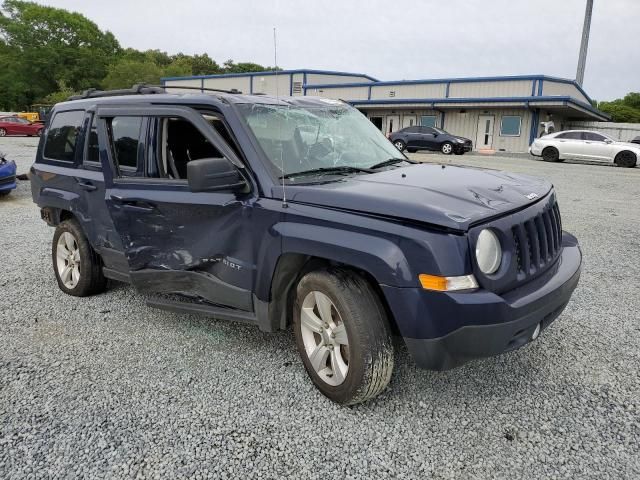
column 582, row 60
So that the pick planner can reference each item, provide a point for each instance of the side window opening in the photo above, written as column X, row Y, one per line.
column 62, row 135
column 180, row 142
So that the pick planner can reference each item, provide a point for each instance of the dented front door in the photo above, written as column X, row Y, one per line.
column 175, row 240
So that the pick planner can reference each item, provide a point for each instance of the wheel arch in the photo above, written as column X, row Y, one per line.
column 291, row 267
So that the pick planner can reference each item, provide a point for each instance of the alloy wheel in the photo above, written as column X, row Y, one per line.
column 447, row 148
column 399, row 145
column 68, row 260
column 325, row 338
column 3, row 132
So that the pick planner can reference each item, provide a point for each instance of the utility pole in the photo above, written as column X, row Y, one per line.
column 582, row 60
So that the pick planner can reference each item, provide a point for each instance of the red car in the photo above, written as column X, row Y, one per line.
column 19, row 126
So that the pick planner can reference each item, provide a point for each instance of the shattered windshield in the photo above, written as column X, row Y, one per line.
column 318, row 140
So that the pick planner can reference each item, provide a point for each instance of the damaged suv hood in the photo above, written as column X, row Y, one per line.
column 447, row 196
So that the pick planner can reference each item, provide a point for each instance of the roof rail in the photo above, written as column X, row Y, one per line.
column 138, row 89
column 141, row 89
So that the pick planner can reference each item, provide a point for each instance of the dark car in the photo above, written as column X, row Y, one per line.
column 429, row 138
column 297, row 211
column 19, row 126
column 636, row 140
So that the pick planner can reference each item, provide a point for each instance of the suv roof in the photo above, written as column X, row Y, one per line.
column 189, row 98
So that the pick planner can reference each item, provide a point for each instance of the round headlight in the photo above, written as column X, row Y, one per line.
column 488, row 252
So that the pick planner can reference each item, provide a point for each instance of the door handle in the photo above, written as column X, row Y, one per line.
column 86, row 185
column 138, row 207
column 133, row 204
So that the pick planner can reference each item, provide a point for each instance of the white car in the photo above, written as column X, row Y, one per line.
column 585, row 145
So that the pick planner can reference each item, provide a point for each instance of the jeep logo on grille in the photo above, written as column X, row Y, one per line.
column 532, row 196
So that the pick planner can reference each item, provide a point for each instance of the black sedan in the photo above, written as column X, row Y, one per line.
column 429, row 138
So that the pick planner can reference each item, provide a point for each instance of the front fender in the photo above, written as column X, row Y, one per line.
column 381, row 258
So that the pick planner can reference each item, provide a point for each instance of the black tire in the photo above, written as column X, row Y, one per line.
column 92, row 280
column 4, row 193
column 626, row 159
column 399, row 144
column 412, row 150
column 39, row 132
column 370, row 347
column 3, row 132
column 446, row 148
column 551, row 154
column 459, row 152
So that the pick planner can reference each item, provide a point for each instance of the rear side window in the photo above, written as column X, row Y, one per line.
column 571, row 136
column 63, row 135
column 93, row 152
column 593, row 137
column 125, row 135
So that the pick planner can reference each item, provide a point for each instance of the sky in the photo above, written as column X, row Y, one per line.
column 391, row 39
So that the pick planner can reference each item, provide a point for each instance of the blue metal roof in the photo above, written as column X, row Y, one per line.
column 271, row 72
column 526, row 100
column 507, row 78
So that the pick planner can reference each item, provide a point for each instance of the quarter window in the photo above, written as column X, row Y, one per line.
column 125, row 142
column 428, row 120
column 510, row 126
column 62, row 136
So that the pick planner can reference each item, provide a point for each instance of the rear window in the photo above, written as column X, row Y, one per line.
column 63, row 135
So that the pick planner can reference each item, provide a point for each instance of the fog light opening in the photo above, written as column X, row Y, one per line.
column 536, row 332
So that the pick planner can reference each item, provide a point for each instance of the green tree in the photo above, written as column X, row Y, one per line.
column 623, row 110
column 44, row 47
column 231, row 67
column 125, row 73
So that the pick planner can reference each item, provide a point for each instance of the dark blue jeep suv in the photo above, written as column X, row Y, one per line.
column 297, row 210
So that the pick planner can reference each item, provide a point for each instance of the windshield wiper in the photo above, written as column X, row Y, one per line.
column 391, row 161
column 327, row 171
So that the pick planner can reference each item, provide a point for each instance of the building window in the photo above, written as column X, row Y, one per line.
column 428, row 120
column 510, row 126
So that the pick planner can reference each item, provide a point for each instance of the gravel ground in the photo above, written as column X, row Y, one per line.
column 107, row 387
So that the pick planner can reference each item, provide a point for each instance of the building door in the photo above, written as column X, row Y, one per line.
column 377, row 121
column 408, row 121
column 392, row 124
column 484, row 139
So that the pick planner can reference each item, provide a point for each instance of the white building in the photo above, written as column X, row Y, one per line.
column 497, row 113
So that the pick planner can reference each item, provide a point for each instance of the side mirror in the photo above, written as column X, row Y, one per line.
column 212, row 174
column 608, row 140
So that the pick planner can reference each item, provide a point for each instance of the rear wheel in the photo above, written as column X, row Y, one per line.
column 3, row 132
column 77, row 266
column 626, row 159
column 342, row 335
column 447, row 148
column 551, row 154
column 400, row 145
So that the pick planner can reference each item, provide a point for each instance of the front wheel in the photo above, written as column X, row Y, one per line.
column 3, row 132
column 342, row 335
column 447, row 148
column 77, row 266
column 551, row 154
column 400, row 145
column 626, row 159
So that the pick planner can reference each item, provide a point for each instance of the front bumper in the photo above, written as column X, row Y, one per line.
column 7, row 176
column 535, row 150
column 487, row 324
